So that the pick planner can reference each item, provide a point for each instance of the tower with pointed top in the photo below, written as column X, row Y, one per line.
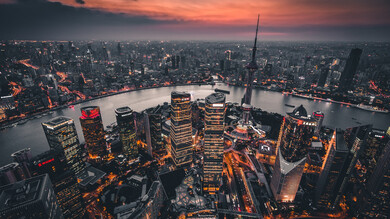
column 252, row 68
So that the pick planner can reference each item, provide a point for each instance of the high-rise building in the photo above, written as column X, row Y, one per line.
column 181, row 128
column 323, row 76
column 153, row 128
column 378, row 188
column 333, row 169
column 93, row 131
column 61, row 135
column 23, row 158
column 319, row 117
column 31, row 198
column 213, row 141
column 11, row 173
column 148, row 134
column 127, row 133
column 63, row 179
column 346, row 79
column 368, row 159
column 293, row 144
column 355, row 139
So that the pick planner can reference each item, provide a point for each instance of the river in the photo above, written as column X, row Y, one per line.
column 31, row 133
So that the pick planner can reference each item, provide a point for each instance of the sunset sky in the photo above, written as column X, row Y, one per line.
column 335, row 20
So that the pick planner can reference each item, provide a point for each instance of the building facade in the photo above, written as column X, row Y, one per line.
column 346, row 79
column 294, row 142
column 30, row 199
column 181, row 128
column 63, row 179
column 61, row 135
column 93, row 131
column 213, row 141
column 127, row 132
column 332, row 170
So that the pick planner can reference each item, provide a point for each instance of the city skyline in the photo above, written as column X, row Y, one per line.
column 192, row 129
column 204, row 20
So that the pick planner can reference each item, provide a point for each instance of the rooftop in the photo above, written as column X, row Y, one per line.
column 57, row 121
column 122, row 110
column 300, row 111
column 216, row 98
column 22, row 192
column 178, row 94
column 91, row 175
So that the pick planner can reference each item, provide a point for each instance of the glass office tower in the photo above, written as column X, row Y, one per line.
column 127, row 133
column 213, row 141
column 92, row 125
column 61, row 135
column 181, row 128
column 294, row 142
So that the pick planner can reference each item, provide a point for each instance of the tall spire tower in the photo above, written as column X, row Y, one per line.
column 252, row 68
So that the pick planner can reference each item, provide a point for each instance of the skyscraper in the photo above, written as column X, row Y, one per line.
column 378, row 188
column 63, row 179
column 61, row 135
column 127, row 134
column 181, row 128
column 293, row 144
column 323, row 76
column 333, row 166
column 213, row 141
column 93, row 131
column 23, row 157
column 155, row 129
column 346, row 79
column 31, row 198
column 11, row 173
column 355, row 139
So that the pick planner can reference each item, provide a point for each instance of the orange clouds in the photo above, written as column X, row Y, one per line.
column 233, row 12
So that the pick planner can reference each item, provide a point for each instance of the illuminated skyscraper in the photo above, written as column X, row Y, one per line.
column 92, row 125
column 127, row 133
column 356, row 140
column 181, row 128
column 378, row 188
column 332, row 171
column 294, row 141
column 63, row 179
column 213, row 141
column 346, row 79
column 61, row 135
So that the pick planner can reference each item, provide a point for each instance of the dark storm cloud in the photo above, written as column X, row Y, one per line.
column 40, row 19
column 81, row 2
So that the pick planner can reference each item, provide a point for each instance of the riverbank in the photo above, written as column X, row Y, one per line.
column 14, row 122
